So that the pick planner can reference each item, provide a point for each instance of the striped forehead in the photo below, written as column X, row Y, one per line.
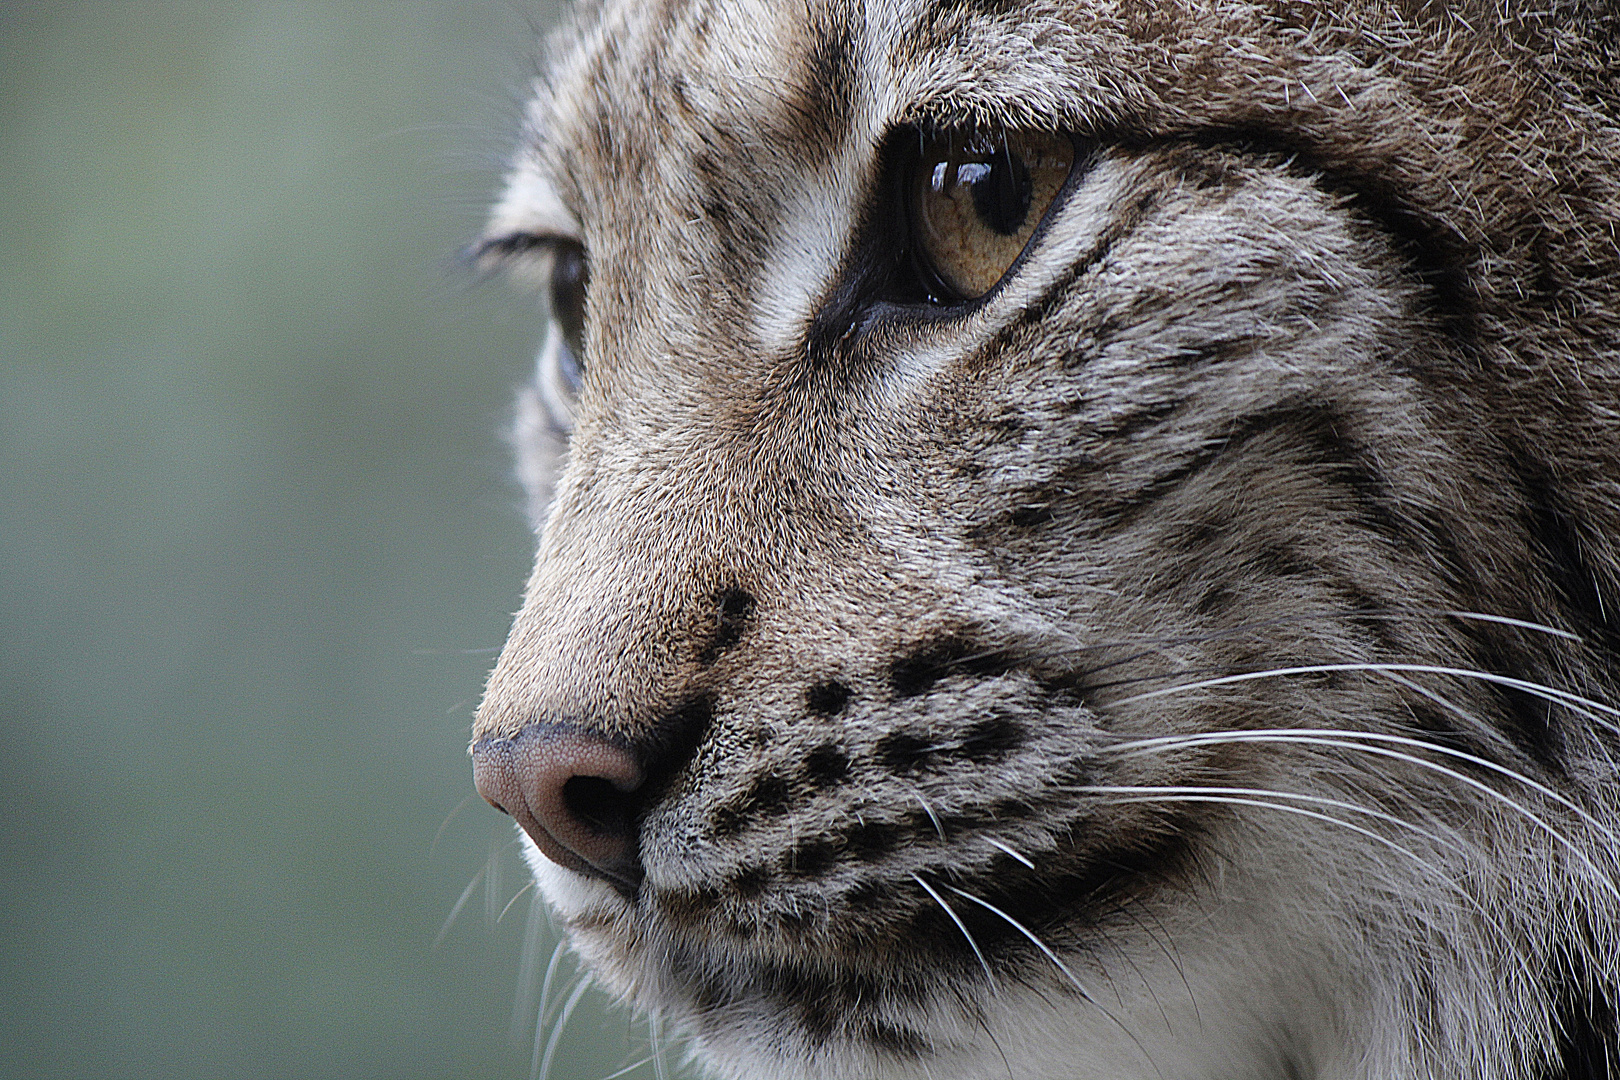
column 638, row 81
column 762, row 121
column 797, row 75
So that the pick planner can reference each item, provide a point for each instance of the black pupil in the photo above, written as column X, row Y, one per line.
column 1001, row 192
column 568, row 278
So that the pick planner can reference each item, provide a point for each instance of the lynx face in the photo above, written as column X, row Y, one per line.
column 1086, row 535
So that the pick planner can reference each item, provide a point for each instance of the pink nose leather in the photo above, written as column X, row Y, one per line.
column 573, row 791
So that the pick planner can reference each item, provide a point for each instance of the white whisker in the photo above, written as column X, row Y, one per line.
column 1520, row 623
column 543, row 1070
column 461, row 902
column 630, row 1068
column 1195, row 794
column 655, row 1034
column 545, row 990
column 515, row 898
column 1125, row 906
column 1046, row 950
column 993, row 842
column 448, row 818
column 960, row 925
column 929, row 810
column 1302, row 734
column 1356, row 740
column 1149, row 644
column 1317, row 815
column 1267, row 793
column 1575, row 702
column 492, row 885
column 528, row 961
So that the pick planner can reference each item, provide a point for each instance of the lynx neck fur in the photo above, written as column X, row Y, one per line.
column 1077, row 539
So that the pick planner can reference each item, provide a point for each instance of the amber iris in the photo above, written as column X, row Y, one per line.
column 976, row 200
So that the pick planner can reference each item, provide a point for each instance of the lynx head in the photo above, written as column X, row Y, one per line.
column 1088, row 536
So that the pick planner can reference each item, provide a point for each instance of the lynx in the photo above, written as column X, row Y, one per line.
column 1079, row 539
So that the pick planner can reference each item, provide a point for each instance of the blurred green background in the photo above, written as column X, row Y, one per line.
column 258, row 545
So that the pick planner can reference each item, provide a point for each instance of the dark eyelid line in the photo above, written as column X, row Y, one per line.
column 491, row 253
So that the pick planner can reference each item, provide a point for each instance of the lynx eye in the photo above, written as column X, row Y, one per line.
column 976, row 200
column 569, row 277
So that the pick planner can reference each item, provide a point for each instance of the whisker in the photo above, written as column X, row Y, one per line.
column 1582, row 705
column 1266, row 793
column 492, row 885
column 1355, row 740
column 962, row 926
column 1154, row 795
column 515, row 898
column 929, row 810
column 1231, row 800
column 1120, row 907
column 1008, row 849
column 543, row 1070
column 448, row 818
column 461, row 902
column 1444, row 702
column 1166, row 944
column 1147, row 645
column 655, row 1034
column 528, row 961
column 545, row 990
column 1520, row 623
column 628, row 1069
column 1304, row 734
column 1046, row 950
column 1034, row 940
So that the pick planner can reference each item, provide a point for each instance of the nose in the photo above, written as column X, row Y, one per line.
column 573, row 791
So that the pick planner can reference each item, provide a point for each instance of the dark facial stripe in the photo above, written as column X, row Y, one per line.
column 1437, row 256
column 1313, row 426
column 1089, row 888
column 831, row 82
column 1553, row 529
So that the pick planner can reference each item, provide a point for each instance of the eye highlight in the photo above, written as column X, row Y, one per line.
column 973, row 202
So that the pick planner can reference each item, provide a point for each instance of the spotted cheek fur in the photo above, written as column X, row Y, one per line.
column 959, row 767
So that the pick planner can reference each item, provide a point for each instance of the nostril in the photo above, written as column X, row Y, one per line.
column 599, row 804
column 573, row 791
